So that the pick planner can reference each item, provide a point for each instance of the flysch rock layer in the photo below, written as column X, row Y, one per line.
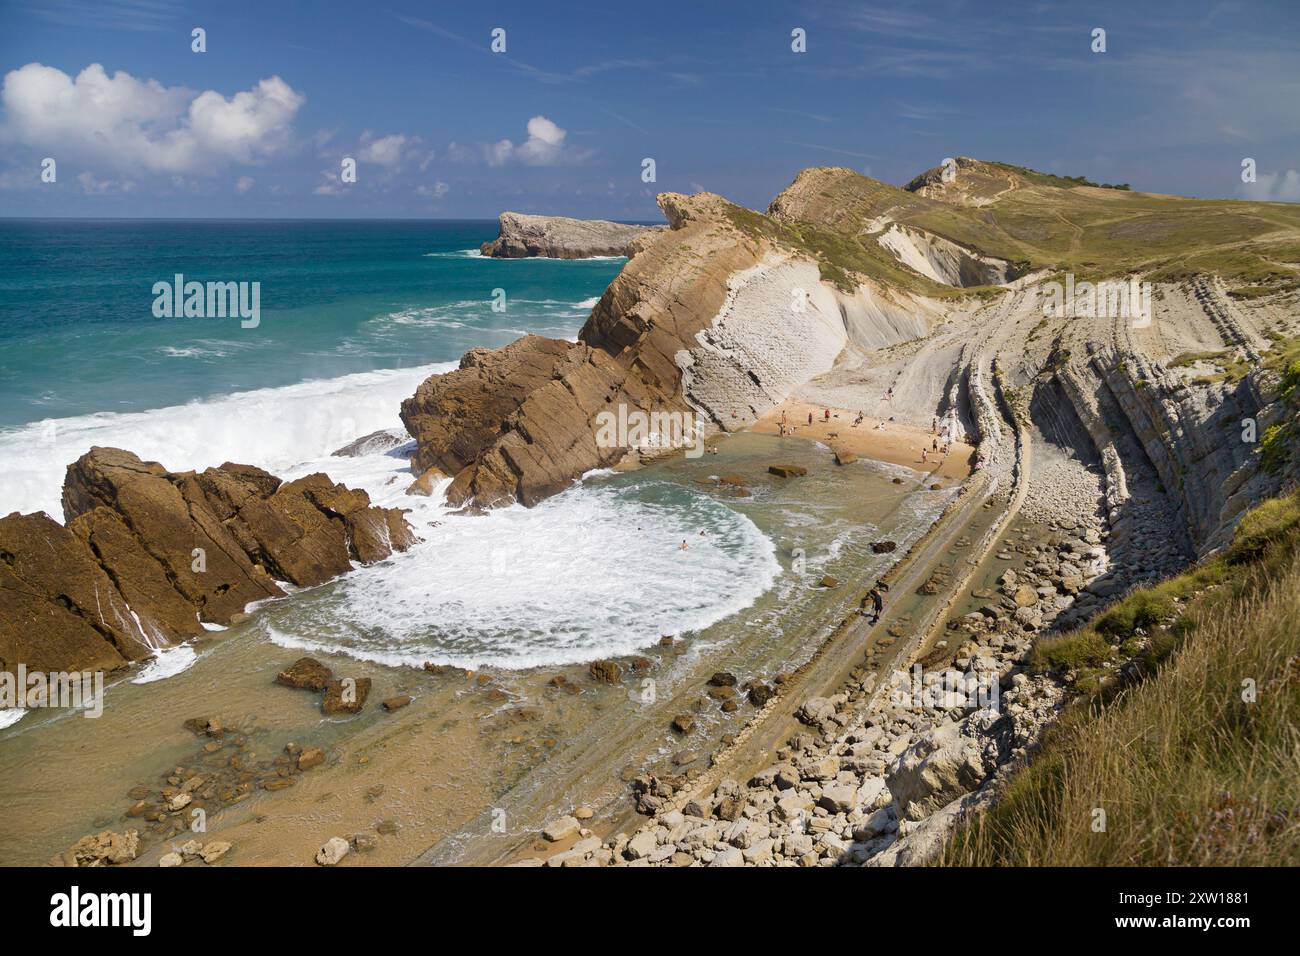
column 148, row 556
column 521, row 236
column 709, row 321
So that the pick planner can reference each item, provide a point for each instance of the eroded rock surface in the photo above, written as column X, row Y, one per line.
column 147, row 555
column 557, row 237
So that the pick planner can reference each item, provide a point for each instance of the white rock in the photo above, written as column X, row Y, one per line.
column 335, row 849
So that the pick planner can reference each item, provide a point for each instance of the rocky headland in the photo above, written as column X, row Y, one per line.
column 522, row 236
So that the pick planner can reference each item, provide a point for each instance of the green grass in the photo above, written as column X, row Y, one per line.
column 1043, row 221
column 1185, row 359
column 1189, row 769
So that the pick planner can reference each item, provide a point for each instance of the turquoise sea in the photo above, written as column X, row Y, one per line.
column 78, row 334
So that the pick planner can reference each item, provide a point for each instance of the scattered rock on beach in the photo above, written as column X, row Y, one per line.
column 787, row 471
column 106, row 848
column 607, row 672
column 334, row 850
column 396, row 703
column 560, row 829
column 683, row 723
column 883, row 547
column 211, row 726
column 306, row 673
column 346, row 696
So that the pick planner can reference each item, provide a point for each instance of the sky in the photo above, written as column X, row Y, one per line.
column 562, row 121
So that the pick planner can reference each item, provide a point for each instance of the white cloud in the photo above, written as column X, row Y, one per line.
column 243, row 184
column 1274, row 187
column 140, row 125
column 434, row 192
column 544, row 147
column 386, row 151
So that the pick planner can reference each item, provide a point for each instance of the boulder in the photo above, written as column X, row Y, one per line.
column 334, row 850
column 787, row 471
column 935, row 770
column 305, row 673
column 606, row 672
column 346, row 696
column 883, row 547
column 561, row 829
column 107, row 847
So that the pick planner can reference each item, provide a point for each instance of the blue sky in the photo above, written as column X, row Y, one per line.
column 440, row 126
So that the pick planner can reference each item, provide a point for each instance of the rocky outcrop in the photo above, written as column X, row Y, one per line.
column 712, row 324
column 521, row 423
column 521, row 236
column 147, row 556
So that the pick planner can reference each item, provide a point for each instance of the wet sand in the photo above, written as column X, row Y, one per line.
column 875, row 438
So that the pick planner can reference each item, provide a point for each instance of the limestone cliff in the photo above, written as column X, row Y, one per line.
column 557, row 237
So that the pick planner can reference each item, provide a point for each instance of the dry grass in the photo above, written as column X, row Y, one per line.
column 1187, row 771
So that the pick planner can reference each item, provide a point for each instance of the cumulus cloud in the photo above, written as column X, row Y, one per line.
column 142, row 126
column 385, row 151
column 243, row 184
column 545, row 146
column 1274, row 187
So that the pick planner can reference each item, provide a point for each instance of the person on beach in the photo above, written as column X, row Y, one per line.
column 877, row 605
column 826, row 414
column 810, row 418
column 934, row 426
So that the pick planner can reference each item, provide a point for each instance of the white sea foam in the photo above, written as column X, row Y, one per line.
column 594, row 572
column 10, row 716
column 274, row 428
column 166, row 662
column 590, row 573
column 587, row 303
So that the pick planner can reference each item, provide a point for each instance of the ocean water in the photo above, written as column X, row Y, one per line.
column 353, row 317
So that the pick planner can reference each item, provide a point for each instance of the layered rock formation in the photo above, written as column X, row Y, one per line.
column 716, row 320
column 148, row 556
column 557, row 237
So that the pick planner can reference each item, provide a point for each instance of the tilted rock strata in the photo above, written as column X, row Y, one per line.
column 520, row 423
column 711, row 321
column 558, row 237
column 147, row 555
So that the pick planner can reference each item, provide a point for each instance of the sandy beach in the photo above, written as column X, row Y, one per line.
column 883, row 440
